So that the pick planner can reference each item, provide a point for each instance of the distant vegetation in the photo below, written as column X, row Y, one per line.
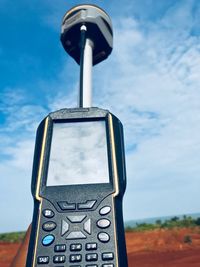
column 185, row 221
column 12, row 237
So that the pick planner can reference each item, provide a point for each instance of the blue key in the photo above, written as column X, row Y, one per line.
column 48, row 240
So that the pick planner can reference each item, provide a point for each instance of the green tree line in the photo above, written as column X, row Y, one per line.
column 185, row 221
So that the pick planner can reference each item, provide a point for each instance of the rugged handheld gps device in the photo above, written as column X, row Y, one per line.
column 79, row 177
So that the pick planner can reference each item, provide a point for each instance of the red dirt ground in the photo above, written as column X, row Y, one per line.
column 157, row 248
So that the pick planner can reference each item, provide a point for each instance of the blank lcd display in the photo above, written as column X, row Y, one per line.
column 78, row 154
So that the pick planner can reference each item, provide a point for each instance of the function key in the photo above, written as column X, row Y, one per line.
column 49, row 226
column 105, row 210
column 103, row 237
column 48, row 240
column 75, row 258
column 48, row 213
column 59, row 259
column 108, row 265
column 91, row 246
column 43, row 260
column 66, row 206
column 91, row 257
column 103, row 223
column 107, row 256
column 87, row 205
column 75, row 247
column 60, row 248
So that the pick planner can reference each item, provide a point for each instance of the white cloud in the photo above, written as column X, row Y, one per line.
column 152, row 83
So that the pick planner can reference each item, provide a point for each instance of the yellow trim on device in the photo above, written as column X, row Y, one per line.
column 37, row 196
column 115, row 172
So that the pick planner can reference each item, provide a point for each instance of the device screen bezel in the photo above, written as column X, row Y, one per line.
column 61, row 188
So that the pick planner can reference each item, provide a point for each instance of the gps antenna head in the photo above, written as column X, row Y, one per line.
column 99, row 31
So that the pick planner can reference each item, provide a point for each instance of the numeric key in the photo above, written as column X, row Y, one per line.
column 59, row 259
column 75, row 258
column 91, row 246
column 91, row 257
column 60, row 248
column 75, row 247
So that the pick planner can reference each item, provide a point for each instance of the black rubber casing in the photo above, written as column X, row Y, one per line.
column 110, row 194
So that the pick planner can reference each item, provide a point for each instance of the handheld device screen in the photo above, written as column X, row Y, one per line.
column 78, row 154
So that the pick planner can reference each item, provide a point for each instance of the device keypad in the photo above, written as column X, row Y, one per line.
column 73, row 236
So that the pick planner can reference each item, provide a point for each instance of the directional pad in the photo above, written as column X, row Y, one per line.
column 77, row 226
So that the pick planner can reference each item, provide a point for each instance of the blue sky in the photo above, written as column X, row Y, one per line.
column 151, row 82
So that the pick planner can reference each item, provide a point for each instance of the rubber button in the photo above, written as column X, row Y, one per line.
column 105, row 210
column 75, row 247
column 107, row 256
column 48, row 213
column 43, row 260
column 76, row 235
column 103, row 237
column 59, row 259
column 60, row 248
column 87, row 205
column 103, row 223
column 91, row 246
column 66, row 206
column 88, row 226
column 64, row 227
column 49, row 226
column 91, row 257
column 48, row 240
column 75, row 258
column 76, row 218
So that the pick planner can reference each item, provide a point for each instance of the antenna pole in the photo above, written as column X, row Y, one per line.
column 86, row 63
